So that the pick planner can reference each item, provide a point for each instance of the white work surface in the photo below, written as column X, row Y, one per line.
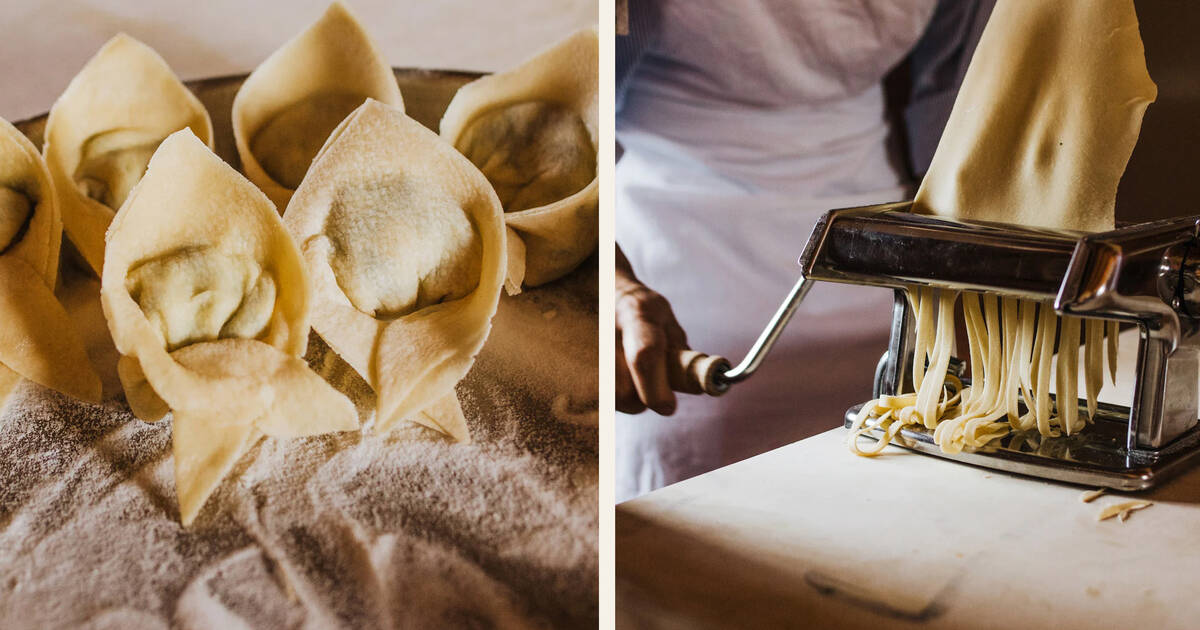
column 46, row 43
column 810, row 535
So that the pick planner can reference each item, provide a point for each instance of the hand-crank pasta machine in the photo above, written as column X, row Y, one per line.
column 1147, row 274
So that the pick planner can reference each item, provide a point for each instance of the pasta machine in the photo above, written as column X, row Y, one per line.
column 1146, row 274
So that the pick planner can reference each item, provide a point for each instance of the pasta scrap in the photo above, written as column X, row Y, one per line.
column 1122, row 510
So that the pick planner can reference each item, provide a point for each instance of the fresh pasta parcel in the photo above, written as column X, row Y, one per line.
column 208, row 303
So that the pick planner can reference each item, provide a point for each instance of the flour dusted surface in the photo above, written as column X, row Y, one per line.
column 338, row 531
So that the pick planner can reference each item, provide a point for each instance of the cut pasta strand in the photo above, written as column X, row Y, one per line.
column 1113, row 330
column 1011, row 344
column 1093, row 373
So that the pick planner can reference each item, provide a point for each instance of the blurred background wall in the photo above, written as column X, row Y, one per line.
column 46, row 43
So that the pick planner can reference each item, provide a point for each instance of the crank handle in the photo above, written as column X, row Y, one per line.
column 694, row 372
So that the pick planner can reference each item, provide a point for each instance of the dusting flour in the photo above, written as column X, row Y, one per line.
column 350, row 530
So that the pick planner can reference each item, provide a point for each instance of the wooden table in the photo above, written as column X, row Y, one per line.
column 810, row 535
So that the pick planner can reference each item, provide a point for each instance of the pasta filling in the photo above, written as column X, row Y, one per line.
column 390, row 263
column 112, row 163
column 1014, row 348
column 203, row 294
column 287, row 143
column 15, row 210
column 533, row 153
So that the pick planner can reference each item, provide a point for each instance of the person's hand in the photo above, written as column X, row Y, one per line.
column 648, row 336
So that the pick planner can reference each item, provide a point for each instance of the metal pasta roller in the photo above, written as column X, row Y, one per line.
column 1147, row 274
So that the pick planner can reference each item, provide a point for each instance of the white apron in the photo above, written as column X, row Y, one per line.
column 748, row 122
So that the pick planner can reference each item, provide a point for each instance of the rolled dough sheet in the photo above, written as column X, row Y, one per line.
column 1047, row 117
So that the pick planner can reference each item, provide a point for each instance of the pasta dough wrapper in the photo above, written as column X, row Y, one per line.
column 15, row 211
column 207, row 301
column 37, row 340
column 404, row 243
column 103, row 129
column 252, row 370
column 288, row 106
column 30, row 219
column 1047, row 117
column 533, row 133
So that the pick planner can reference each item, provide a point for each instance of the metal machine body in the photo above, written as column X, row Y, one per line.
column 1146, row 274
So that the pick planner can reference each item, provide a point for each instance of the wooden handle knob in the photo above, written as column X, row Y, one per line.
column 694, row 372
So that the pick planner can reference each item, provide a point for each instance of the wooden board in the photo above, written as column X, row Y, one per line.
column 811, row 536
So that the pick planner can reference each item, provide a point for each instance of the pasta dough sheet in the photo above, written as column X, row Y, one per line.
column 103, row 129
column 1047, row 117
column 37, row 338
column 208, row 304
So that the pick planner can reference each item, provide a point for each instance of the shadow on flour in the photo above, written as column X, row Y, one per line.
column 47, row 440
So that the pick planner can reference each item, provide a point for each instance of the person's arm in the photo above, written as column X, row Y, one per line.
column 647, row 337
column 647, row 333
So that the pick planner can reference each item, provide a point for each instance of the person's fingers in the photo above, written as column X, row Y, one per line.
column 646, row 348
column 676, row 337
column 650, row 336
column 627, row 396
column 656, row 309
